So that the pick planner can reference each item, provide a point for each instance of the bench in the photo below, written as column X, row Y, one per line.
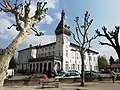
column 49, row 84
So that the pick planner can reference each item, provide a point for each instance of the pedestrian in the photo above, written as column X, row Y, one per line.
column 113, row 75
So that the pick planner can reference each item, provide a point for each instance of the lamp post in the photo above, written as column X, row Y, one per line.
column 75, row 58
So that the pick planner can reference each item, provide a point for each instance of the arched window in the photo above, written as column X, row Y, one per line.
column 40, row 67
column 30, row 67
column 37, row 66
column 45, row 67
column 33, row 67
column 49, row 66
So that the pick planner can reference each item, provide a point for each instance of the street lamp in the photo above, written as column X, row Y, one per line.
column 75, row 58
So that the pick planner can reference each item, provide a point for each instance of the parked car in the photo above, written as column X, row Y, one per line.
column 68, row 75
column 10, row 73
column 73, row 71
column 37, row 78
column 91, row 75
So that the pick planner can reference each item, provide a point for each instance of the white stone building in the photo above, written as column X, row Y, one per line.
column 58, row 55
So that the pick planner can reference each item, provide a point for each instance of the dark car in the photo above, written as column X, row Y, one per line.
column 91, row 75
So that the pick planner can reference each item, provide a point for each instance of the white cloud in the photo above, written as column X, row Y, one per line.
column 45, row 39
column 48, row 20
column 58, row 16
column 4, row 32
column 51, row 3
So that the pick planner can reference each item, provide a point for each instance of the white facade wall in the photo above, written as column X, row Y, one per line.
column 70, row 54
column 23, row 56
column 33, row 53
column 46, row 51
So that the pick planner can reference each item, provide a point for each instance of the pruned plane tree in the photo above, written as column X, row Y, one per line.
column 81, row 37
column 113, row 38
column 24, row 23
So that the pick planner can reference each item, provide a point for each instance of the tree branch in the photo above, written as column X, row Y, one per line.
column 116, row 35
column 102, row 43
column 76, row 39
column 37, row 32
column 107, row 35
column 7, row 5
column 40, row 13
column 12, row 26
column 78, row 35
column 99, row 34
column 2, row 5
column 89, row 23
column 78, row 26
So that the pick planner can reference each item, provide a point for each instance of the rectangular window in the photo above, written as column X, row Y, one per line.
column 73, row 66
column 78, row 67
column 66, row 53
column 49, row 47
column 84, row 57
column 41, row 54
column 90, row 67
column 67, row 67
column 72, row 54
column 59, row 52
column 45, row 54
column 94, row 58
column 48, row 53
column 53, row 53
column 85, row 67
column 96, row 67
column 77, row 55
column 45, row 48
column 59, row 44
column 90, row 58
column 53, row 47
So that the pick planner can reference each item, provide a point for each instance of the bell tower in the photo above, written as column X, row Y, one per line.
column 62, row 27
column 62, row 33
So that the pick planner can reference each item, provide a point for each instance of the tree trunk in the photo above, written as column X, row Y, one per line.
column 8, row 54
column 118, row 53
column 82, row 71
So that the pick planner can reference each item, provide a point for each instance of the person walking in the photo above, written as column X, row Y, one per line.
column 113, row 75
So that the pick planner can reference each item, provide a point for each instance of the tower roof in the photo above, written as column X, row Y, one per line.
column 62, row 26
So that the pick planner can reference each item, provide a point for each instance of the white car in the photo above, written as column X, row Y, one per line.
column 69, row 75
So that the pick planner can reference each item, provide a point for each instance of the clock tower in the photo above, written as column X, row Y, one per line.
column 63, row 41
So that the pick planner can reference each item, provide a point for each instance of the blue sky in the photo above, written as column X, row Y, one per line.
column 103, row 12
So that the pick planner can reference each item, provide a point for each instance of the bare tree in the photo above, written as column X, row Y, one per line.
column 82, row 39
column 24, row 24
column 112, row 37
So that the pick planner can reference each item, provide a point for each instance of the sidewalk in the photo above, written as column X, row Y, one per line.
column 89, row 86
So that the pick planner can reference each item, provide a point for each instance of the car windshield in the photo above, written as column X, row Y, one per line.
column 73, row 74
